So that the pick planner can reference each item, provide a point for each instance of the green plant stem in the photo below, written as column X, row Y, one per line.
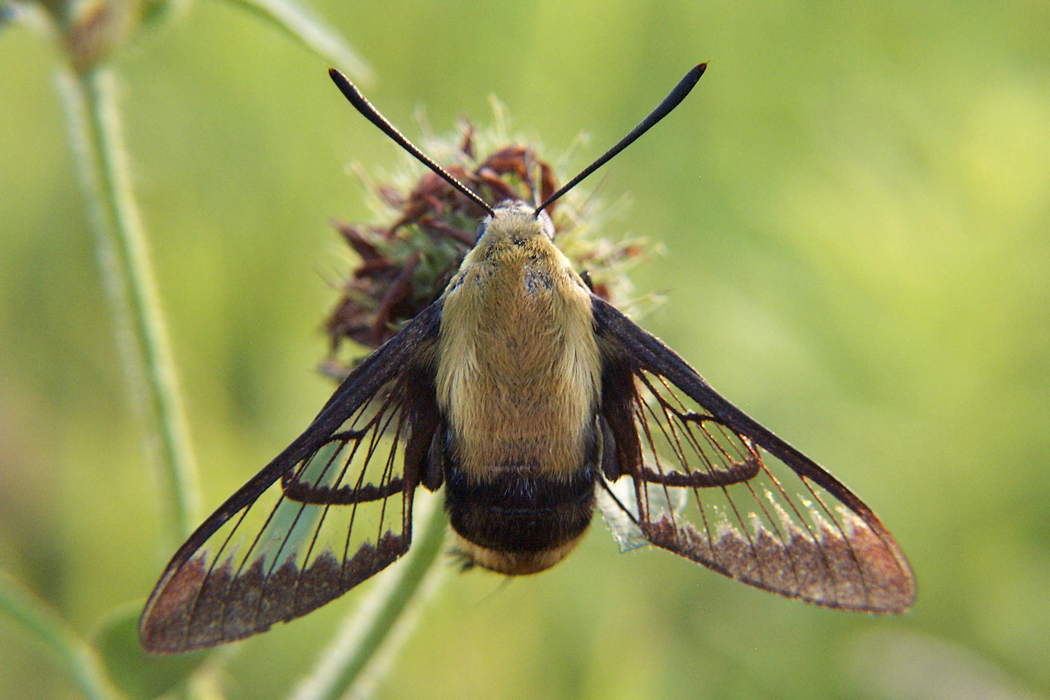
column 78, row 658
column 95, row 131
column 371, row 633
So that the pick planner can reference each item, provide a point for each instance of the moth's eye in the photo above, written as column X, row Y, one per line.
column 480, row 231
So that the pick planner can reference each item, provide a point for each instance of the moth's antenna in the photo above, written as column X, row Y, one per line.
column 369, row 112
column 662, row 110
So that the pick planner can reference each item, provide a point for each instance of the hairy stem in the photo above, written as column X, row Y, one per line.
column 95, row 132
column 371, row 635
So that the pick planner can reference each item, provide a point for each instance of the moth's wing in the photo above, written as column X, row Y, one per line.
column 714, row 486
column 332, row 509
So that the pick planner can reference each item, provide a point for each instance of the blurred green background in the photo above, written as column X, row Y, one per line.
column 856, row 205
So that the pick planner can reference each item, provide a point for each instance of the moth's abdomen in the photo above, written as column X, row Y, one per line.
column 518, row 521
column 517, row 383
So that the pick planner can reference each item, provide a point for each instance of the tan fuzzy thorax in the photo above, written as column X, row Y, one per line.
column 518, row 368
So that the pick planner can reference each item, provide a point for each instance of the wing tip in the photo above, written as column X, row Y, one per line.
column 195, row 607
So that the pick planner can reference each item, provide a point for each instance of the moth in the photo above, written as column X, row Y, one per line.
column 528, row 399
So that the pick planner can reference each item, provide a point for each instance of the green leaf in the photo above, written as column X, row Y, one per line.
column 132, row 670
column 37, row 620
column 310, row 31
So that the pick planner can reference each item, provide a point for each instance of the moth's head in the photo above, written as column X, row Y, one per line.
column 515, row 219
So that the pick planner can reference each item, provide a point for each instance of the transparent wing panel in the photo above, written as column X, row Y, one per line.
column 752, row 517
column 334, row 518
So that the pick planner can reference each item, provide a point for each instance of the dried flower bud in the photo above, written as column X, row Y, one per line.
column 406, row 264
column 96, row 27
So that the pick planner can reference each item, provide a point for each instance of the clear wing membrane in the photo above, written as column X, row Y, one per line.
column 746, row 504
column 330, row 511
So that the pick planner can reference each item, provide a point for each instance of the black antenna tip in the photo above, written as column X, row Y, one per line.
column 341, row 82
column 369, row 112
column 690, row 79
column 673, row 99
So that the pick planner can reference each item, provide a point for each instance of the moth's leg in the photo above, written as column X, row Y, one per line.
column 609, row 460
column 436, row 460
